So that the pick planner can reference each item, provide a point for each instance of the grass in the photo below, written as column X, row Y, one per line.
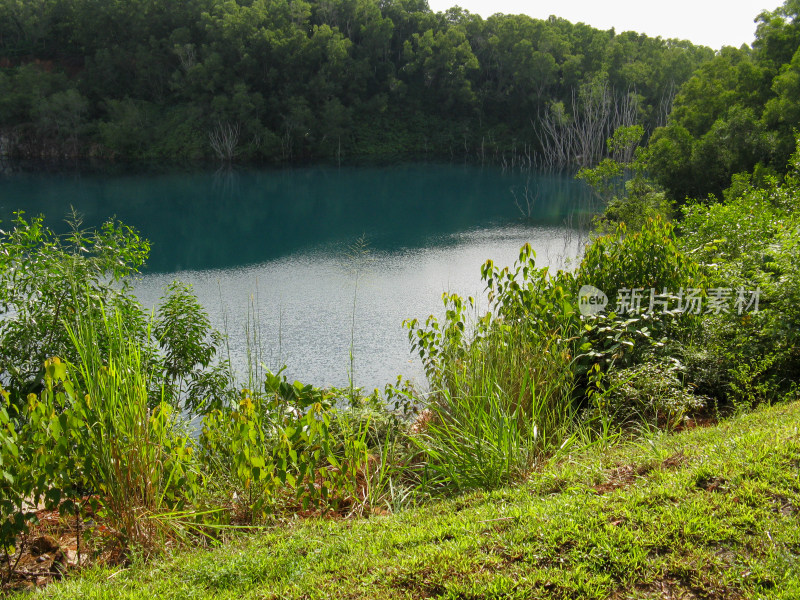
column 131, row 451
column 707, row 513
column 501, row 404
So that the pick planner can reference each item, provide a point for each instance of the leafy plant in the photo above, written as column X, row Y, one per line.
column 188, row 343
column 48, row 279
column 16, row 484
column 650, row 392
column 622, row 184
column 644, row 259
column 281, row 440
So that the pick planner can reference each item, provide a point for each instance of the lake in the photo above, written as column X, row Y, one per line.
column 272, row 253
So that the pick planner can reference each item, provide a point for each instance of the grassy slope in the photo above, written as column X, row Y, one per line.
column 711, row 513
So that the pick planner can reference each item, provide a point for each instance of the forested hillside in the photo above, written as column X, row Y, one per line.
column 288, row 80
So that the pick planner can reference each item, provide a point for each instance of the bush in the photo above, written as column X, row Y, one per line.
column 645, row 259
column 47, row 280
column 749, row 242
column 649, row 281
column 642, row 201
column 651, row 392
column 50, row 282
column 501, row 396
column 188, row 345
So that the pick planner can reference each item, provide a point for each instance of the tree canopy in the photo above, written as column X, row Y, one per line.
column 290, row 79
column 736, row 114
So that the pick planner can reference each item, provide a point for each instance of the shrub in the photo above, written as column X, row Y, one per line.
column 651, row 392
column 47, row 280
column 501, row 395
column 16, row 485
column 188, row 345
column 641, row 202
column 645, row 259
column 750, row 242
column 655, row 292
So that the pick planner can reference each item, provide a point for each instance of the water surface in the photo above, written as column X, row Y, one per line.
column 274, row 248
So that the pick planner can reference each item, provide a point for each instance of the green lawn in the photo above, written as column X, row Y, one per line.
column 709, row 513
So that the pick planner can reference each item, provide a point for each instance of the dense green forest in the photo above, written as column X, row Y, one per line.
column 737, row 113
column 289, row 80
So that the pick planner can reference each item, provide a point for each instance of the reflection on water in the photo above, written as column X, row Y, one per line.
column 276, row 242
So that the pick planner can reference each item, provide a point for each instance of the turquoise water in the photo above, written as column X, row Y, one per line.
column 270, row 250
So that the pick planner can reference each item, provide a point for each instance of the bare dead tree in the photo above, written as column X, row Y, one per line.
column 627, row 108
column 579, row 137
column 554, row 133
column 591, row 109
column 665, row 105
column 186, row 56
column 224, row 140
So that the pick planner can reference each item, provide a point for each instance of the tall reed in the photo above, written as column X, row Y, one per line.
column 504, row 405
column 136, row 453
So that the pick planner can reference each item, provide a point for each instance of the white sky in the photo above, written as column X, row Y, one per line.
column 713, row 23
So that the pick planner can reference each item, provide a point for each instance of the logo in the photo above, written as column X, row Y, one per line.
column 591, row 301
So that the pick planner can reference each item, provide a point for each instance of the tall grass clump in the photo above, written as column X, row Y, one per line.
column 506, row 405
column 138, row 454
column 501, row 397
